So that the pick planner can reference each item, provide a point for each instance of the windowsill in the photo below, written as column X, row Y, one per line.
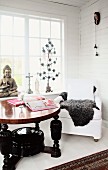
column 50, row 93
column 44, row 93
column 7, row 98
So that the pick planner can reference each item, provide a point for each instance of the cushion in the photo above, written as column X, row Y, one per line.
column 65, row 114
column 80, row 89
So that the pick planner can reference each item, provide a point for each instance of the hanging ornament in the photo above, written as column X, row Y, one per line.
column 96, row 21
column 97, row 18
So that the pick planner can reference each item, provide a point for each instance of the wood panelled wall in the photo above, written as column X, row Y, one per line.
column 91, row 66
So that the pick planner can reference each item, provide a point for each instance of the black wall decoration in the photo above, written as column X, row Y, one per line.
column 96, row 21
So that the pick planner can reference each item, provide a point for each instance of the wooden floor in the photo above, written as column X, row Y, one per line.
column 72, row 147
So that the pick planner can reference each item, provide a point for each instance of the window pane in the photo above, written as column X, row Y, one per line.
column 18, row 65
column 55, row 30
column 57, row 66
column 18, row 79
column 57, row 47
column 19, row 72
column 19, row 46
column 33, row 28
column 34, row 65
column 34, row 46
column 5, row 61
column 19, row 26
column 6, row 45
column 34, row 68
column 45, row 29
column 56, row 85
column 43, row 43
column 6, row 25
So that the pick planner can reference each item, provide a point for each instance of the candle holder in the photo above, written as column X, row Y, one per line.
column 48, row 71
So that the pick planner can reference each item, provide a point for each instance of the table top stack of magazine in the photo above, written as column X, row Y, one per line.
column 34, row 102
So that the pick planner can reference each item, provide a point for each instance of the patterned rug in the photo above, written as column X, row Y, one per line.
column 97, row 161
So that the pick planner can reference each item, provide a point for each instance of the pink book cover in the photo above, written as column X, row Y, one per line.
column 16, row 102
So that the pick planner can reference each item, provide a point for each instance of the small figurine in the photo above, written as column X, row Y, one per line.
column 29, row 89
column 8, row 86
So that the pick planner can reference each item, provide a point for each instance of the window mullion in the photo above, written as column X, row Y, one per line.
column 26, row 57
column 27, row 45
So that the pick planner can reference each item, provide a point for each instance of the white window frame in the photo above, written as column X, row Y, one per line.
column 26, row 71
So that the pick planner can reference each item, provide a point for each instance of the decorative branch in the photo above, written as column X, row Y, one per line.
column 49, row 72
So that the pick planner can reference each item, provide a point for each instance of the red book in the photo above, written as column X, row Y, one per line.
column 16, row 102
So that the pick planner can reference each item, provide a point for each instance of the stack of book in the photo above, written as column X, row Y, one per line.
column 37, row 103
column 16, row 102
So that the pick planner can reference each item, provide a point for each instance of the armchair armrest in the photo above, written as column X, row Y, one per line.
column 98, row 102
column 58, row 99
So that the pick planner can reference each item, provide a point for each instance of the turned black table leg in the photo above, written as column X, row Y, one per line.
column 5, row 146
column 56, row 127
column 37, row 128
column 40, row 137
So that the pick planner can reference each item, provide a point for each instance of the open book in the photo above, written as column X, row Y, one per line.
column 17, row 101
column 40, row 105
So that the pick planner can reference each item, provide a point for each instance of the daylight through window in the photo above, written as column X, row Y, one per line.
column 21, row 41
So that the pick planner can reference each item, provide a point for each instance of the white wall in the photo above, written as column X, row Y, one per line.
column 71, row 15
column 91, row 66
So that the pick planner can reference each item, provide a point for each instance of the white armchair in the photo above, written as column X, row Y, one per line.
column 82, row 89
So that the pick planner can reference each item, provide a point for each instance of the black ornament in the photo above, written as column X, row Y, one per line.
column 53, row 70
column 43, row 50
column 49, row 69
column 48, row 72
column 95, row 46
column 42, row 64
column 97, row 54
column 47, row 45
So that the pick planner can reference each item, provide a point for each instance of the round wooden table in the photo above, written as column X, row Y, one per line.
column 26, row 141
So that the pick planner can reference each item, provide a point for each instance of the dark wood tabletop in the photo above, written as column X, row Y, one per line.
column 10, row 114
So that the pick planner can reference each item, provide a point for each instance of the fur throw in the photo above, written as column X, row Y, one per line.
column 81, row 111
column 64, row 95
